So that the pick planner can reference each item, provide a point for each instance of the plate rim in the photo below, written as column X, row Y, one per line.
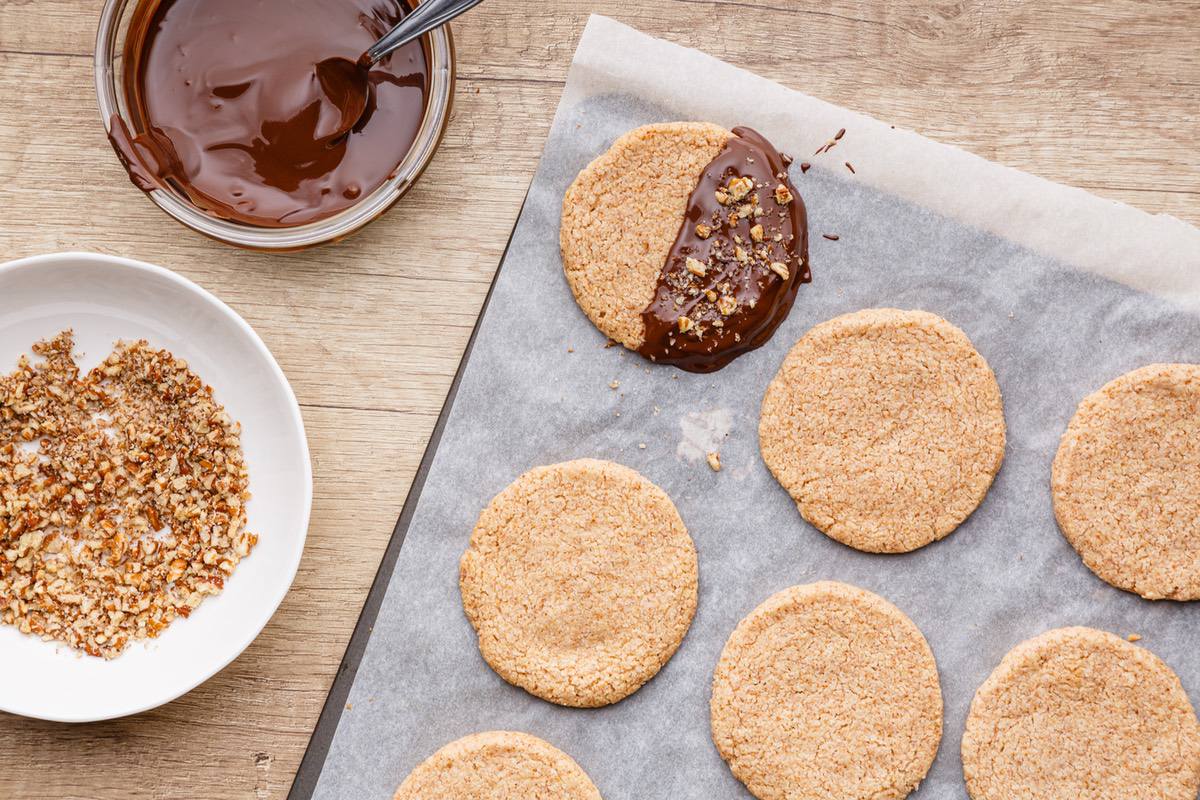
column 297, row 419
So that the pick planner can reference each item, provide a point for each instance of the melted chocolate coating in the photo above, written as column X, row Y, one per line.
column 227, row 108
column 718, row 295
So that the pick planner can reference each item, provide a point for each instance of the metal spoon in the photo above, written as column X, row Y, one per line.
column 346, row 83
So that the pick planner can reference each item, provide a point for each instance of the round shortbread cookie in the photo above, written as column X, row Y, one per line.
column 498, row 765
column 1126, row 482
column 827, row 692
column 1080, row 713
column 581, row 581
column 885, row 426
column 620, row 218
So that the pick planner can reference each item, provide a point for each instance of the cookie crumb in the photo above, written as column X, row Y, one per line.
column 1134, row 637
column 714, row 461
column 616, row 384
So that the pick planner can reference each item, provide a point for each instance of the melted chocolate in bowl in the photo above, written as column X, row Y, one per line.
column 740, row 256
column 228, row 110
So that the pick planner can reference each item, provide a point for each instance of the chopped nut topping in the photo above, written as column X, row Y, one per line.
column 616, row 384
column 133, row 508
column 740, row 187
column 714, row 461
column 742, row 242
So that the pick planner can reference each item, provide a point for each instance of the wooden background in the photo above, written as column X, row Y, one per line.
column 1103, row 94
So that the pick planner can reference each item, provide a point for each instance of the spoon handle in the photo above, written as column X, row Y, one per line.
column 425, row 17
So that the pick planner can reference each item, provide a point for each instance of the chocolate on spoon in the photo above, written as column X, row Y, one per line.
column 346, row 84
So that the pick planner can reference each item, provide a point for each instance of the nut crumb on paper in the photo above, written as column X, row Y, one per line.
column 703, row 432
column 714, row 461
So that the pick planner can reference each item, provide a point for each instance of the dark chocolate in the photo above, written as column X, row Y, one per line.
column 727, row 283
column 226, row 107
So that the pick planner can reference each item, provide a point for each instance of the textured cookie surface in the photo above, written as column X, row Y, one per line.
column 621, row 215
column 1080, row 713
column 886, row 428
column 498, row 765
column 581, row 581
column 1126, row 482
column 827, row 692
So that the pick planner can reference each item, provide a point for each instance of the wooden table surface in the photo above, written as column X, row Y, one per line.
column 1102, row 94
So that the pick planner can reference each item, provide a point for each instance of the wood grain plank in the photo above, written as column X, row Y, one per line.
column 1050, row 87
column 1103, row 94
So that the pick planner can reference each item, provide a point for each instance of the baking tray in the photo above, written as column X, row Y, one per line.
column 313, row 762
column 1059, row 290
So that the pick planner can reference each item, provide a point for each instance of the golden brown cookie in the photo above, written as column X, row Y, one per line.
column 885, row 426
column 498, row 765
column 1080, row 713
column 827, row 692
column 581, row 581
column 1126, row 482
column 620, row 218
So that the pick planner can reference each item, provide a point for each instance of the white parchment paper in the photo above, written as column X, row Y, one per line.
column 1059, row 290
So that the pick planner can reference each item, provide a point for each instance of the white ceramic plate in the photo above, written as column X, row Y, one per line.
column 105, row 299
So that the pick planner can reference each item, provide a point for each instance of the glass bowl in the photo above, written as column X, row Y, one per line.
column 439, row 48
